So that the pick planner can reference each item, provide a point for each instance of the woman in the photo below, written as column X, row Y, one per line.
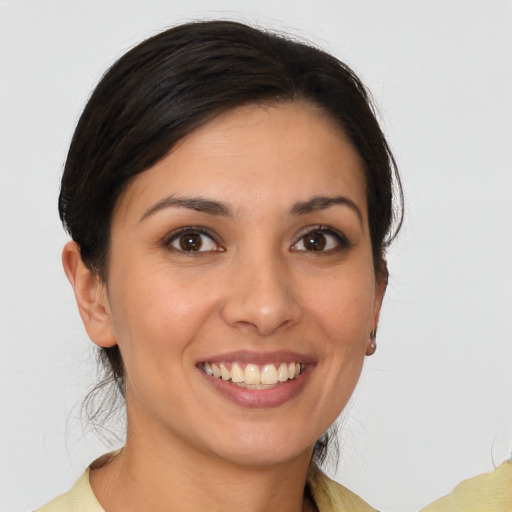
column 230, row 195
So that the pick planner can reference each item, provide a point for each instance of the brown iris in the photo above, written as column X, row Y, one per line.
column 314, row 241
column 191, row 242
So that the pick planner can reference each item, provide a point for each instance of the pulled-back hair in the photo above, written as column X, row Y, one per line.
column 172, row 83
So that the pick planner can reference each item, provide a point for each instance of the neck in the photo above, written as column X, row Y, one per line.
column 161, row 475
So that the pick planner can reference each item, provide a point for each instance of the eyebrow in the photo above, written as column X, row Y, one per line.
column 198, row 204
column 322, row 203
column 211, row 207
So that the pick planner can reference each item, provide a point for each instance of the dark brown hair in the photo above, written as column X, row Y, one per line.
column 170, row 84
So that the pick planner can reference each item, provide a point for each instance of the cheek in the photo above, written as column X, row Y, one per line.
column 343, row 305
column 155, row 313
column 342, row 310
column 158, row 323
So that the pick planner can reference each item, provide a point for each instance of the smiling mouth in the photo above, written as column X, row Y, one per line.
column 254, row 376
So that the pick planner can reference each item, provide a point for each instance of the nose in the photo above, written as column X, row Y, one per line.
column 261, row 297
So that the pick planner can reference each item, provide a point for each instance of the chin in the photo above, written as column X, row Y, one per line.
column 248, row 447
column 265, row 456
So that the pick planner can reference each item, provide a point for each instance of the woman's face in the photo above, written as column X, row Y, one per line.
column 245, row 251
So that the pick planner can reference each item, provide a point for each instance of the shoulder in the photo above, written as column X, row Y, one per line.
column 490, row 492
column 81, row 497
column 330, row 496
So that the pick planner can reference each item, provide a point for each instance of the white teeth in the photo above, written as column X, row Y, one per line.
column 283, row 372
column 237, row 374
column 216, row 370
column 253, row 375
column 224, row 372
column 269, row 374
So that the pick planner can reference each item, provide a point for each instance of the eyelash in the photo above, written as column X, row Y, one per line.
column 191, row 230
column 341, row 241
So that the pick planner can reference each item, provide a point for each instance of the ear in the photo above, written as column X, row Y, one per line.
column 91, row 297
column 381, row 283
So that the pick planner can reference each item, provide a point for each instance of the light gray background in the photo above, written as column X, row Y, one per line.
column 434, row 404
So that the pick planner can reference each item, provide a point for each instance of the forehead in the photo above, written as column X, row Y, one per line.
column 254, row 155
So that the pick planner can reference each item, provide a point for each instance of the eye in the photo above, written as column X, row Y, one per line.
column 192, row 240
column 321, row 240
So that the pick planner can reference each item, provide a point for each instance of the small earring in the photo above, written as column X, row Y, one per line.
column 372, row 346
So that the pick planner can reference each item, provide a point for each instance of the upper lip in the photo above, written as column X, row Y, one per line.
column 260, row 358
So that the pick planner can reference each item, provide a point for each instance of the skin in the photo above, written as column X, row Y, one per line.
column 255, row 287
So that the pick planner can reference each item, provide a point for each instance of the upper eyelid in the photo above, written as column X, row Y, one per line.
column 323, row 229
column 343, row 240
column 191, row 229
column 170, row 236
column 168, row 240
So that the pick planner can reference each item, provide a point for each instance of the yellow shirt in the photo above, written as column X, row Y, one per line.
column 484, row 493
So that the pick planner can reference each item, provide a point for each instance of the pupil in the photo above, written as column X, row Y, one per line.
column 314, row 241
column 191, row 242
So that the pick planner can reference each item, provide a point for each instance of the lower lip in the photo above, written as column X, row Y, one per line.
column 259, row 398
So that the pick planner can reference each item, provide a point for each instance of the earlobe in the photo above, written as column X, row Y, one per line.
column 91, row 297
column 380, row 289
